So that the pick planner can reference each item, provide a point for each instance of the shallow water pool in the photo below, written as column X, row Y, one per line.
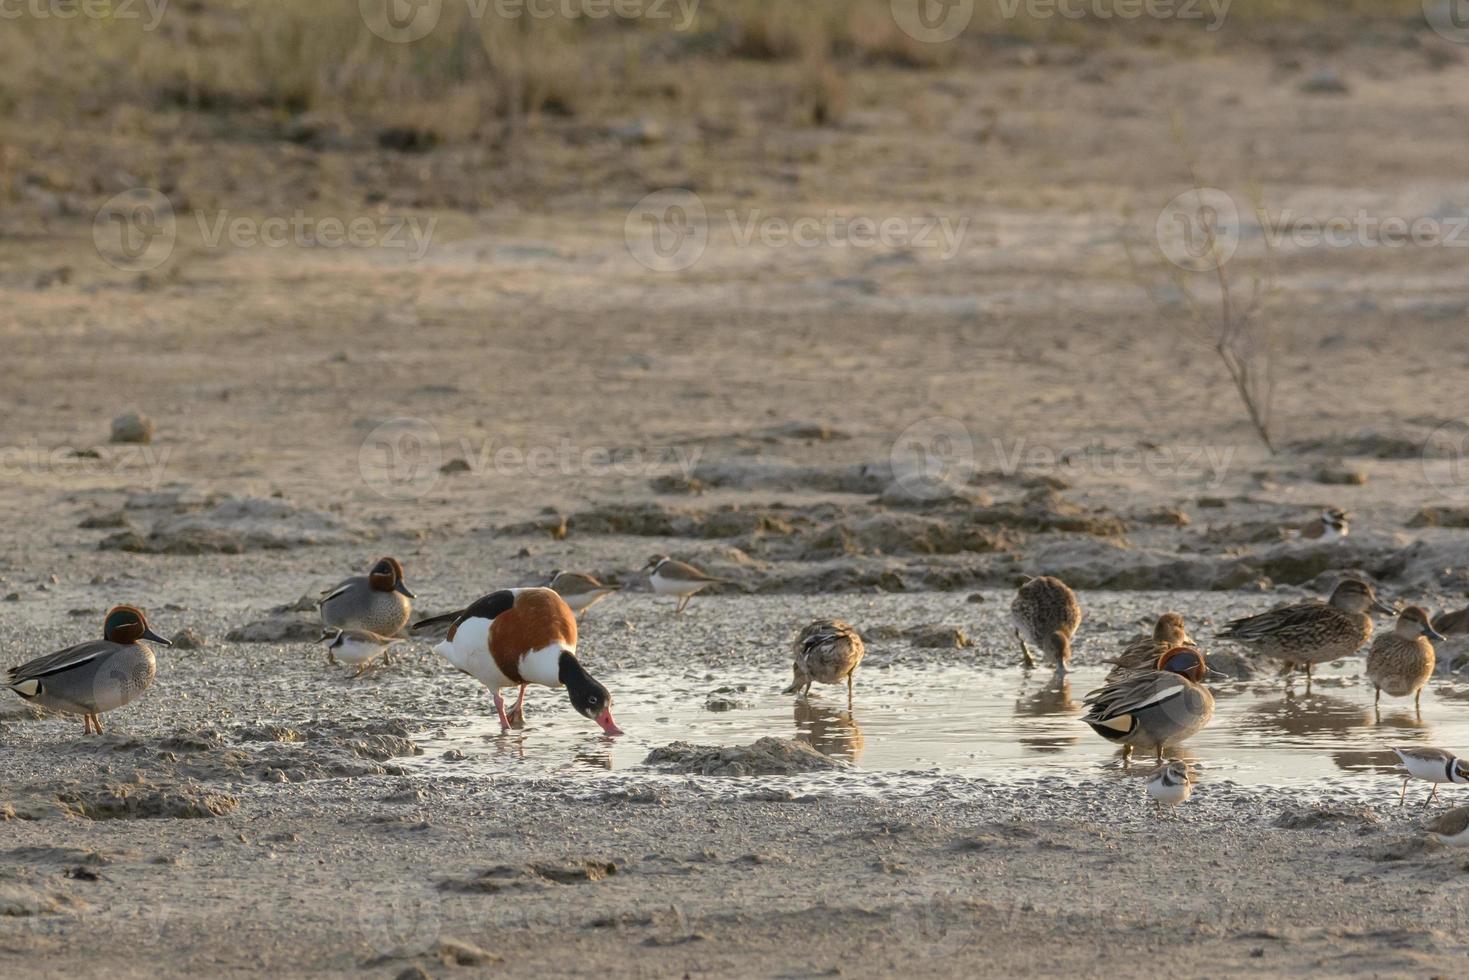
column 998, row 724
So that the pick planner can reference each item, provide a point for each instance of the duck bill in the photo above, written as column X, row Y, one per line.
column 1215, row 675
column 148, row 634
column 1434, row 635
column 1383, row 608
column 608, row 725
column 400, row 587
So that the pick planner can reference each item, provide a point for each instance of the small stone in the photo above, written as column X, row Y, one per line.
column 455, row 466
column 188, row 639
column 1212, row 503
column 452, row 952
column 1341, row 476
column 1325, row 81
column 13, row 597
column 413, row 973
column 132, row 427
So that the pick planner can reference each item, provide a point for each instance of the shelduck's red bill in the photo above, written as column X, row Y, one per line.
column 608, row 725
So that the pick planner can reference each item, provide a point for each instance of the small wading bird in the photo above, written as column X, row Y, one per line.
column 827, row 651
column 357, row 648
column 1432, row 765
column 1451, row 828
column 1154, row 709
column 519, row 637
column 580, row 591
column 1170, row 784
column 1330, row 526
column 1143, row 653
column 1401, row 662
column 1046, row 614
column 1313, row 632
column 669, row 577
column 377, row 602
column 91, row 678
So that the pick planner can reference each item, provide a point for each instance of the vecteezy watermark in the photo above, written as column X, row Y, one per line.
column 137, row 230
column 935, row 456
column 398, row 919
column 933, row 21
column 1213, row 12
column 400, row 458
column 1446, row 459
column 1448, row 18
column 668, row 230
column 150, row 12
column 403, row 459
column 405, row 21
column 1198, row 230
column 71, row 461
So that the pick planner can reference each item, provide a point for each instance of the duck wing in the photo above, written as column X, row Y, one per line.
column 1133, row 693
column 59, row 662
column 1300, row 619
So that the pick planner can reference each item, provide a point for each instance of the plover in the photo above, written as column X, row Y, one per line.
column 669, row 577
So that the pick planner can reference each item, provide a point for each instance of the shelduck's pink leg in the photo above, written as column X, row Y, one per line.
column 517, row 713
column 500, row 710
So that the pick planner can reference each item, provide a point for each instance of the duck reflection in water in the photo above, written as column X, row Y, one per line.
column 828, row 730
column 1051, row 700
column 1312, row 714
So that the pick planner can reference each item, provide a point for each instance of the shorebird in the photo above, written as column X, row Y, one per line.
column 1433, row 765
column 377, row 602
column 669, row 577
column 580, row 591
column 1170, row 784
column 1312, row 632
column 519, row 637
column 1154, row 708
column 1143, row 652
column 1046, row 615
column 1401, row 662
column 828, row 651
column 1451, row 828
column 1332, row 525
column 359, row 648
column 93, row 677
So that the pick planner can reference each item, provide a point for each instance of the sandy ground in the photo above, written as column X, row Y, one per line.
column 268, row 816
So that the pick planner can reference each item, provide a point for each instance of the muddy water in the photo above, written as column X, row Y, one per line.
column 972, row 722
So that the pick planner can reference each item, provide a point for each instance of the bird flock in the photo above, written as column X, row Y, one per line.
column 1153, row 698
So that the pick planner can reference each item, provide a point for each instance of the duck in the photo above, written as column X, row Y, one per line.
column 1453, row 623
column 1141, row 653
column 1312, row 632
column 377, row 602
column 519, row 637
column 1046, row 615
column 1332, row 525
column 1171, row 784
column 94, row 677
column 1451, row 828
column 828, row 650
column 1154, row 708
column 358, row 648
column 1402, row 661
column 669, row 577
column 1432, row 765
column 581, row 591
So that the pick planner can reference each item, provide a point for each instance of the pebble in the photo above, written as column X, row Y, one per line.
column 134, row 427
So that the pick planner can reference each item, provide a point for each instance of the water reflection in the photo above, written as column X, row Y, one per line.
column 1300, row 716
column 1052, row 701
column 830, row 730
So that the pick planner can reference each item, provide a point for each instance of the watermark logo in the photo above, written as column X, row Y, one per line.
column 401, row 21
column 398, row 920
column 301, row 230
column 123, row 461
column 1446, row 459
column 112, row 11
column 400, row 458
column 942, row 925
column 668, row 230
column 931, row 456
column 1448, row 18
column 135, row 231
column 933, row 21
column 1107, row 10
column 1198, row 230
